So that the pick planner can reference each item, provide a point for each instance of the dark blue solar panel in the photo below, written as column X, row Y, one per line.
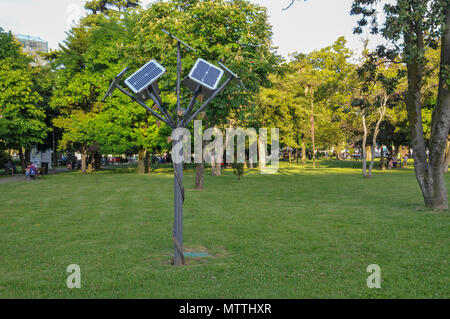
column 211, row 76
column 144, row 76
column 206, row 73
column 200, row 71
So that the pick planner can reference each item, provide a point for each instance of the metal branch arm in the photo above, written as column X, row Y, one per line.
column 201, row 108
column 144, row 106
column 158, row 103
column 192, row 103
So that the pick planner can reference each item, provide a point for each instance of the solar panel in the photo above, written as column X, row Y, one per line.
column 206, row 74
column 145, row 76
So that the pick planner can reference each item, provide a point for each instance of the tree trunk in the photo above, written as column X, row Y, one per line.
column 27, row 155
column 382, row 162
column 83, row 160
column 447, row 156
column 303, row 152
column 199, row 172
column 313, row 130
column 213, row 163
column 147, row 164
column 381, row 112
column 430, row 173
column 141, row 161
column 218, row 169
column 337, row 151
column 22, row 160
column 364, row 155
column 261, row 153
column 440, row 125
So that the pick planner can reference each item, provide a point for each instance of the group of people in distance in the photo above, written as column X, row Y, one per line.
column 392, row 162
column 31, row 170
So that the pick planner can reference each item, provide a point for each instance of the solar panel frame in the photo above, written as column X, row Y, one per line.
column 209, row 77
column 139, row 81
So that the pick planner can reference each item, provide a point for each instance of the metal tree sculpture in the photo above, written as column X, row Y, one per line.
column 148, row 89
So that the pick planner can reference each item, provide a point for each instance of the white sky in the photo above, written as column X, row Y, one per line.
column 306, row 26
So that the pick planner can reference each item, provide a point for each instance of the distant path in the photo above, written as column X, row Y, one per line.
column 21, row 177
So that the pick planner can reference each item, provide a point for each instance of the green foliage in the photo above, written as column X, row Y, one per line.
column 21, row 113
column 324, row 78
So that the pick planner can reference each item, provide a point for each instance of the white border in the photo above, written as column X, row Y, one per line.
column 204, row 84
column 131, row 86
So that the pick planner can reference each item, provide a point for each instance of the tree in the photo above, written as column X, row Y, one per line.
column 22, row 118
column 378, row 92
column 411, row 26
column 331, row 81
column 286, row 105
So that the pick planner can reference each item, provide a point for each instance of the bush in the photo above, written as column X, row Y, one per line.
column 238, row 169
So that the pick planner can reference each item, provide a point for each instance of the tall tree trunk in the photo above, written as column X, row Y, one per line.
column 364, row 155
column 429, row 173
column 313, row 130
column 382, row 161
column 440, row 124
column 141, row 161
column 413, row 106
column 199, row 173
column 381, row 113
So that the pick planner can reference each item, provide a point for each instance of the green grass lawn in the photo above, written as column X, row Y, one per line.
column 301, row 233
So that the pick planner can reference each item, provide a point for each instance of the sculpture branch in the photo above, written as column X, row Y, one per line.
column 144, row 105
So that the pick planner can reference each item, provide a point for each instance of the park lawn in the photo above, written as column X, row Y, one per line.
column 301, row 233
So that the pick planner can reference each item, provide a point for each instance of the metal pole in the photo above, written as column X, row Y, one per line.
column 178, row 208
column 178, row 177
column 178, row 81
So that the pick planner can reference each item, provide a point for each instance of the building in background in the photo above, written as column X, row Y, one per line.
column 32, row 46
